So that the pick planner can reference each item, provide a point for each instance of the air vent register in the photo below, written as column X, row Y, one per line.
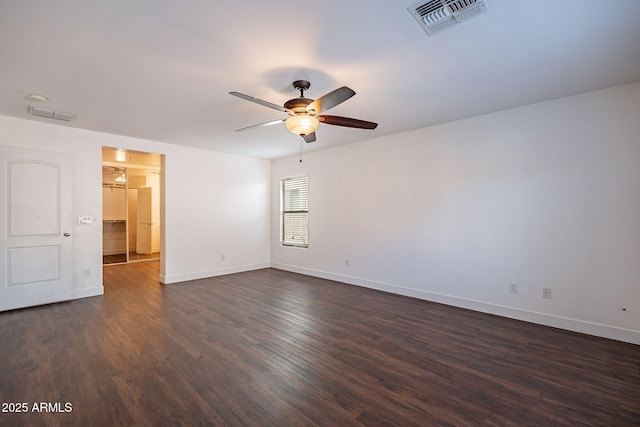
column 438, row 15
column 58, row 115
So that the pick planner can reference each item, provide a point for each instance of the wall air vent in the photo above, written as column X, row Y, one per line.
column 49, row 114
column 437, row 15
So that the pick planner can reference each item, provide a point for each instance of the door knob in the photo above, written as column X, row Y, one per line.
column 66, row 234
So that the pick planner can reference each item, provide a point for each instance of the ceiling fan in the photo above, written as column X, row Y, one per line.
column 305, row 114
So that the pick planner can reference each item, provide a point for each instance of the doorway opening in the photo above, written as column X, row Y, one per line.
column 131, row 206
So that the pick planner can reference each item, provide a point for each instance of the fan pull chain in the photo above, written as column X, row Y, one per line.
column 301, row 139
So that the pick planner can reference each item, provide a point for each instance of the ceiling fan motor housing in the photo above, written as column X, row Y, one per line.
column 298, row 105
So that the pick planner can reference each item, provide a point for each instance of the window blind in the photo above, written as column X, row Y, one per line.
column 295, row 211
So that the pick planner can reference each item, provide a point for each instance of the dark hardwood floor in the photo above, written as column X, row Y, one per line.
column 272, row 348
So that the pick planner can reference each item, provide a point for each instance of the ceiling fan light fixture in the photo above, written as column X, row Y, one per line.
column 302, row 124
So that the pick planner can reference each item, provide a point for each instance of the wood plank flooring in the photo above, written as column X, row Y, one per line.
column 272, row 348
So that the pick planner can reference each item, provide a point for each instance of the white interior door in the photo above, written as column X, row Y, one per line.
column 144, row 223
column 36, row 259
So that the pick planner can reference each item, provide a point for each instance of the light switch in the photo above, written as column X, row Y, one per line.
column 85, row 220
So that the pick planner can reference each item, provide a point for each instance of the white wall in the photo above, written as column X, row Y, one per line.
column 215, row 203
column 217, row 206
column 545, row 195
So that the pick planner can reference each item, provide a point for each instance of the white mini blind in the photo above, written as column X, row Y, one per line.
column 295, row 211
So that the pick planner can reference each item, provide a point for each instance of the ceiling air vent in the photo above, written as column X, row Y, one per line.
column 437, row 15
column 58, row 115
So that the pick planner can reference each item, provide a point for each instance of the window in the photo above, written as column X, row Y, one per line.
column 295, row 211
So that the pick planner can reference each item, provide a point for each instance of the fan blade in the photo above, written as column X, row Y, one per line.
column 261, row 102
column 261, row 125
column 310, row 138
column 347, row 122
column 330, row 100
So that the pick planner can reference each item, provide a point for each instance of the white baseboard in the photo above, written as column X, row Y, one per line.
column 574, row 325
column 88, row 292
column 203, row 275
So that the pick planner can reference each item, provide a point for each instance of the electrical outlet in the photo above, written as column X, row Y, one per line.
column 546, row 293
column 513, row 288
column 223, row 257
column 346, row 263
column 87, row 272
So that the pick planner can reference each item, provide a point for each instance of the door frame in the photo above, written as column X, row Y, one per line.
column 135, row 159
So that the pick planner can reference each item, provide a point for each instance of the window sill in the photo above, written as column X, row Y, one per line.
column 289, row 245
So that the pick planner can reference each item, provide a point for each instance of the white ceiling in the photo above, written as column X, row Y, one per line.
column 162, row 69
